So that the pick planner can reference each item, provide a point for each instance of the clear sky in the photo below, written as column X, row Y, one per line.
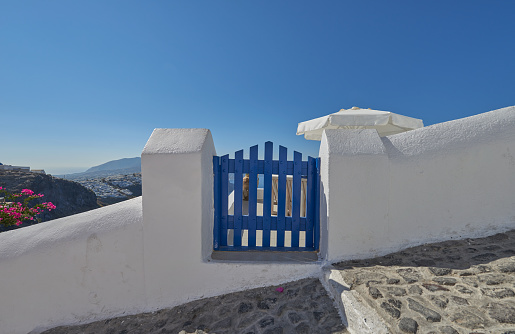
column 85, row 82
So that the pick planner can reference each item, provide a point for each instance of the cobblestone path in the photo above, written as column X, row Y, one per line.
column 302, row 307
column 465, row 286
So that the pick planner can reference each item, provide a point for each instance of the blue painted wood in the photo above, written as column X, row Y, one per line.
column 259, row 223
column 271, row 249
column 317, row 207
column 275, row 166
column 246, row 166
column 281, row 223
column 238, row 193
column 296, row 187
column 224, row 199
column 267, row 193
column 310, row 207
column 302, row 224
column 253, row 184
column 217, row 203
column 244, row 222
column 281, row 196
column 287, row 223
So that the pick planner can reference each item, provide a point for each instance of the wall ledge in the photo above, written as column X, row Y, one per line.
column 175, row 141
column 40, row 236
column 353, row 142
column 455, row 134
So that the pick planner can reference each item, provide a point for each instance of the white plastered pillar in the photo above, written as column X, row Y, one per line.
column 354, row 192
column 177, row 167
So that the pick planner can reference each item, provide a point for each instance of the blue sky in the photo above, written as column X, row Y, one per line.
column 85, row 82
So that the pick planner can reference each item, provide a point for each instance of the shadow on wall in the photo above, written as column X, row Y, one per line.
column 390, row 148
column 324, row 223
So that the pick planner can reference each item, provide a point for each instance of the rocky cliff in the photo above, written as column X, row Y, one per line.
column 69, row 197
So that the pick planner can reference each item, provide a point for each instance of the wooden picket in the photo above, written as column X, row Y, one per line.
column 265, row 222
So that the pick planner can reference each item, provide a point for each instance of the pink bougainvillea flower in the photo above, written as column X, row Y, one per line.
column 49, row 205
column 279, row 289
column 27, row 192
column 14, row 213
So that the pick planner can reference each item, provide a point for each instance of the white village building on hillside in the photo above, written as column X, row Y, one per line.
column 10, row 167
column 26, row 169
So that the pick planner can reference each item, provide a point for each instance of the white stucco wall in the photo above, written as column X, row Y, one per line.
column 446, row 181
column 73, row 269
column 136, row 256
column 354, row 178
column 177, row 167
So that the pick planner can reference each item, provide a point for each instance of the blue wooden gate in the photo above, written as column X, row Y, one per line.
column 282, row 215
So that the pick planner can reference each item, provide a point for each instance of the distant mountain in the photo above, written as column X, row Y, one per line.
column 116, row 167
column 126, row 163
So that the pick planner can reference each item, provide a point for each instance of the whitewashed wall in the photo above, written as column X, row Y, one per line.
column 74, row 269
column 129, row 257
column 447, row 181
column 177, row 167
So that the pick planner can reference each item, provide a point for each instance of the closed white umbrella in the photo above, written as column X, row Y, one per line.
column 386, row 123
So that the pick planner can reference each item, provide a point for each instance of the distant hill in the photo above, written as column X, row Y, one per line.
column 116, row 167
column 126, row 163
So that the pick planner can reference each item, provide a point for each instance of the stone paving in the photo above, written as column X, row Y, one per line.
column 298, row 307
column 453, row 287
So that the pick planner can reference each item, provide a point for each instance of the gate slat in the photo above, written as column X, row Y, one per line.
column 316, row 201
column 253, row 184
column 216, row 191
column 310, row 208
column 238, row 192
column 267, row 193
column 296, row 184
column 281, row 197
column 224, row 198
